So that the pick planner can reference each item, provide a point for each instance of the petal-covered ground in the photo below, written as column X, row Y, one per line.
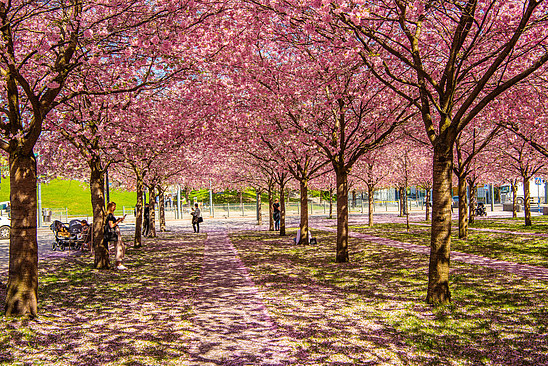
column 141, row 316
column 372, row 310
column 254, row 298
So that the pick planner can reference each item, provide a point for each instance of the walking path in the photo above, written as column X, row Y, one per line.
column 232, row 322
column 535, row 272
column 543, row 235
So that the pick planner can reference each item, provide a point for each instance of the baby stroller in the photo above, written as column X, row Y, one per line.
column 71, row 236
column 480, row 210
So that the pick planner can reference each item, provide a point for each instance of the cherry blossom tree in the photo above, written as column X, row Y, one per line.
column 43, row 45
column 467, row 146
column 372, row 170
column 450, row 60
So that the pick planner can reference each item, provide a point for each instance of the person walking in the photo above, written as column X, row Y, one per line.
column 276, row 214
column 113, row 224
column 196, row 218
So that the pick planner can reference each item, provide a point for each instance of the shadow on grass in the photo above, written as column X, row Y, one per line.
column 372, row 310
column 139, row 316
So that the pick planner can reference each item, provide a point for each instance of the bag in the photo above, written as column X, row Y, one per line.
column 200, row 219
column 110, row 233
column 276, row 215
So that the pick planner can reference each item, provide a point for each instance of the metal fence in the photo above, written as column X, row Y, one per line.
column 227, row 210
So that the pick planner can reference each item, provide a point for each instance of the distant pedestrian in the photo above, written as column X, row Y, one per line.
column 276, row 214
column 113, row 223
column 196, row 218
column 146, row 220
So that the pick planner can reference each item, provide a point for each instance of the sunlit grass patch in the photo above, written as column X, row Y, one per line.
column 525, row 249
column 372, row 310
column 87, row 316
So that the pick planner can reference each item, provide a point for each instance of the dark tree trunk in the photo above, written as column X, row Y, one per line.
column 259, row 207
column 162, row 209
column 440, row 240
column 304, row 212
column 370, row 193
column 22, row 290
column 463, row 216
column 330, row 202
column 473, row 202
column 282, row 209
column 402, row 200
column 514, row 199
column 137, row 241
column 526, row 201
column 428, row 199
column 342, row 216
column 152, row 212
column 270, row 209
column 97, row 187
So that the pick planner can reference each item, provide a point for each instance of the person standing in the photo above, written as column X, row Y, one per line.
column 146, row 220
column 276, row 214
column 196, row 218
column 113, row 223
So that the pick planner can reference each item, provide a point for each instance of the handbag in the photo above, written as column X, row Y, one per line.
column 200, row 219
column 110, row 233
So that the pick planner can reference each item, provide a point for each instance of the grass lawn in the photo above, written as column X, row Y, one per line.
column 141, row 316
column 540, row 224
column 372, row 310
column 72, row 194
column 525, row 249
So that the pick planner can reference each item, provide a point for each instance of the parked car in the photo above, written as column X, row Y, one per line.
column 5, row 227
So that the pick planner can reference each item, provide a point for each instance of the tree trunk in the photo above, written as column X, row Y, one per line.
column 370, row 192
column 152, row 212
column 22, row 290
column 162, row 209
column 428, row 205
column 406, row 208
column 353, row 198
column 402, row 209
column 463, row 215
column 282, row 209
column 526, row 201
column 330, row 202
column 137, row 241
column 342, row 216
column 514, row 199
column 440, row 240
column 473, row 202
column 270, row 209
column 259, row 208
column 304, row 212
column 97, row 188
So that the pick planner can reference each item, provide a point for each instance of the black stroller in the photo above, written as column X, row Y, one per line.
column 480, row 210
column 73, row 235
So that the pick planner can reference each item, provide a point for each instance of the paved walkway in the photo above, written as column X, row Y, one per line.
column 526, row 233
column 535, row 272
column 232, row 322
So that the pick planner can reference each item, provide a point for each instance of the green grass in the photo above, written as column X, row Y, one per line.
column 72, row 194
column 525, row 249
column 76, row 196
column 372, row 310
column 539, row 224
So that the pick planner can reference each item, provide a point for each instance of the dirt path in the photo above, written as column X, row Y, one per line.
column 232, row 324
